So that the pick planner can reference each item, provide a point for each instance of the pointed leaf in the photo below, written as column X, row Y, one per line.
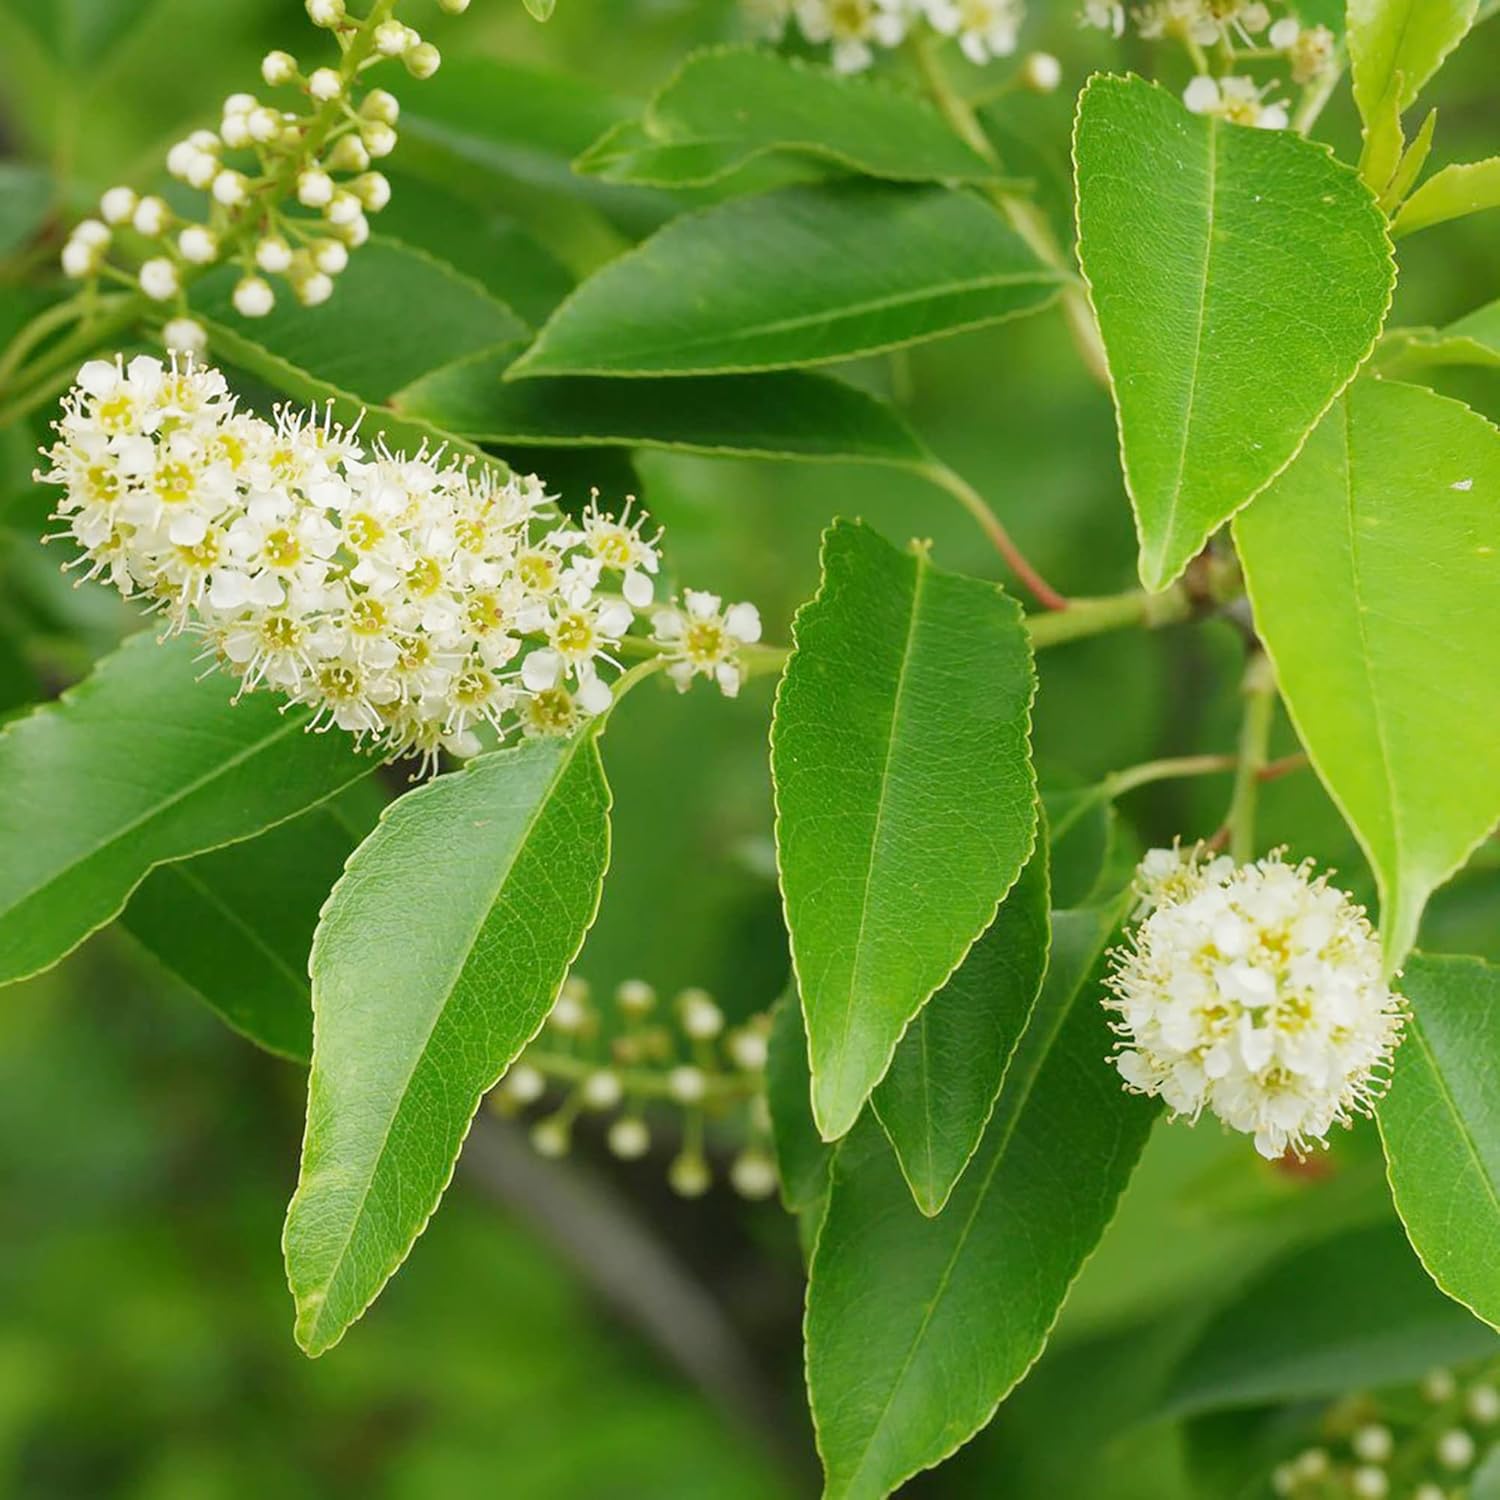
column 1405, row 353
column 1240, row 277
column 436, row 960
column 906, row 803
column 1465, row 188
column 1397, row 45
column 144, row 761
column 1374, row 568
column 802, row 1156
column 947, row 1073
column 918, row 1328
column 1440, row 1122
column 800, row 276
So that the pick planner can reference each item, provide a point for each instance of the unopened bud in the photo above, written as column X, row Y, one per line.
column 278, row 68
column 629, row 1139
column 689, row 1176
column 423, row 61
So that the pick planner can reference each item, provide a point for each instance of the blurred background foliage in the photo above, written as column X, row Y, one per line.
column 147, row 1152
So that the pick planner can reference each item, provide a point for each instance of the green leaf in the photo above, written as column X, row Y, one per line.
column 436, row 960
column 395, row 314
column 80, row 32
column 948, row 1070
column 1373, row 565
column 25, row 197
column 1473, row 340
column 791, row 414
column 1240, row 277
column 906, row 803
column 729, row 105
column 236, row 925
column 802, row 1156
column 918, row 1328
column 1440, row 1122
column 1350, row 1313
column 144, row 761
column 800, row 276
column 1397, row 45
column 540, row 10
column 1465, row 188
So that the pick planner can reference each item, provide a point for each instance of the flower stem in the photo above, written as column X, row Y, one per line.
column 1086, row 617
column 640, row 1083
column 1259, row 690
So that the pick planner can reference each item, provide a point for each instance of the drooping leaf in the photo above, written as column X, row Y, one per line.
column 1349, row 1313
column 729, row 105
column 1440, row 1122
column 236, row 925
column 947, row 1072
column 791, row 414
column 143, row 762
column 906, row 803
column 436, row 960
column 802, row 1156
column 918, row 1328
column 1373, row 565
column 1240, row 278
column 1465, row 188
column 800, row 276
column 1395, row 46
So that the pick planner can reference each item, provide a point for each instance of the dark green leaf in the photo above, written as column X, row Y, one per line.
column 802, row 1156
column 25, row 196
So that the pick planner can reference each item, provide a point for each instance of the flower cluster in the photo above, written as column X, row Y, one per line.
column 1255, row 991
column 854, row 30
column 288, row 189
column 1232, row 30
column 1424, row 1445
column 406, row 599
column 631, row 1060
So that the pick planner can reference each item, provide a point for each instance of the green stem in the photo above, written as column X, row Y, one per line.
column 1259, row 690
column 1315, row 95
column 45, row 322
column 639, row 1083
column 1086, row 617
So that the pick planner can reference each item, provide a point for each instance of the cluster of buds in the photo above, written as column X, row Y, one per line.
column 288, row 189
column 856, row 30
column 1219, row 37
column 638, row 1059
column 1255, row 991
column 406, row 599
column 1401, row 1445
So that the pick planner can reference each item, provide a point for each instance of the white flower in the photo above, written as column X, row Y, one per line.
column 185, row 336
column 253, row 297
column 1041, row 72
column 984, row 28
column 1236, row 99
column 1256, row 992
column 1104, row 15
column 704, row 639
column 158, row 279
column 854, row 27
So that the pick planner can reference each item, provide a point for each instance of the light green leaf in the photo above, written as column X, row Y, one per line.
column 144, row 761
column 802, row 1156
column 25, row 196
column 80, row 32
column 540, row 10
column 1240, row 277
column 791, row 414
column 1348, row 1314
column 1397, row 45
column 729, row 105
column 1473, row 340
column 800, row 276
column 1373, row 565
column 948, row 1070
column 236, row 925
column 918, row 1328
column 436, row 960
column 1440, row 1122
column 906, row 803
column 1465, row 188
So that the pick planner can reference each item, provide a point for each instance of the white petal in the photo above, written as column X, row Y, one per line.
column 541, row 670
column 743, row 623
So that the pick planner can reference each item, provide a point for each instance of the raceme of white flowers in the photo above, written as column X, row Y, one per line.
column 1255, row 991
column 288, row 189
column 1223, row 27
column 406, row 599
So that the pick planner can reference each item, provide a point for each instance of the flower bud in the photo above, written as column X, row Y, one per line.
column 229, row 188
column 629, row 1139
column 278, row 68
column 314, row 188
column 687, row 1085
column 273, row 254
column 748, row 1049
column 1455, row 1449
column 635, row 997
column 330, row 256
column 118, row 204
column 239, row 104
column 454, row 7
column 158, row 278
column 325, row 12
column 80, row 259
column 525, row 1084
column 1369, row 1483
column 373, row 189
column 253, row 297
column 551, row 1137
column 235, row 130
column 92, row 233
column 314, row 290
column 689, row 1176
column 1041, row 72
column 378, row 137
column 184, row 336
column 423, row 61
column 392, row 38
column 198, row 244
column 348, row 154
column 151, row 217
column 1483, row 1403
column 1373, row 1443
column 342, row 208
column 753, row 1175
column 325, row 84
column 603, row 1090
column 701, row 1018
column 380, row 104
column 263, row 124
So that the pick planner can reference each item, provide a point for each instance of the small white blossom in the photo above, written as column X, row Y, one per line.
column 752, row 1174
column 229, row 188
column 702, row 1020
column 373, row 189
column 854, row 27
column 702, row 639
column 984, row 28
column 1256, row 992
column 1104, row 15
column 1235, row 99
column 1041, row 72
column 1455, row 1449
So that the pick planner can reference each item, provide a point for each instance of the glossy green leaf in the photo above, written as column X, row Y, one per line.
column 1373, row 565
column 802, row 1156
column 947, row 1072
column 1350, row 1313
column 729, row 105
column 1465, row 188
column 436, row 960
column 790, row 414
column 918, row 1328
column 800, row 276
column 395, row 314
column 906, row 803
column 236, row 925
column 1240, row 278
column 1440, row 1122
column 1397, row 45
column 144, row 761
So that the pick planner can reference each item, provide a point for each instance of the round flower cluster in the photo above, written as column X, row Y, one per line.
column 288, row 190
column 1255, row 991
column 855, row 29
column 405, row 599
column 1224, row 27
